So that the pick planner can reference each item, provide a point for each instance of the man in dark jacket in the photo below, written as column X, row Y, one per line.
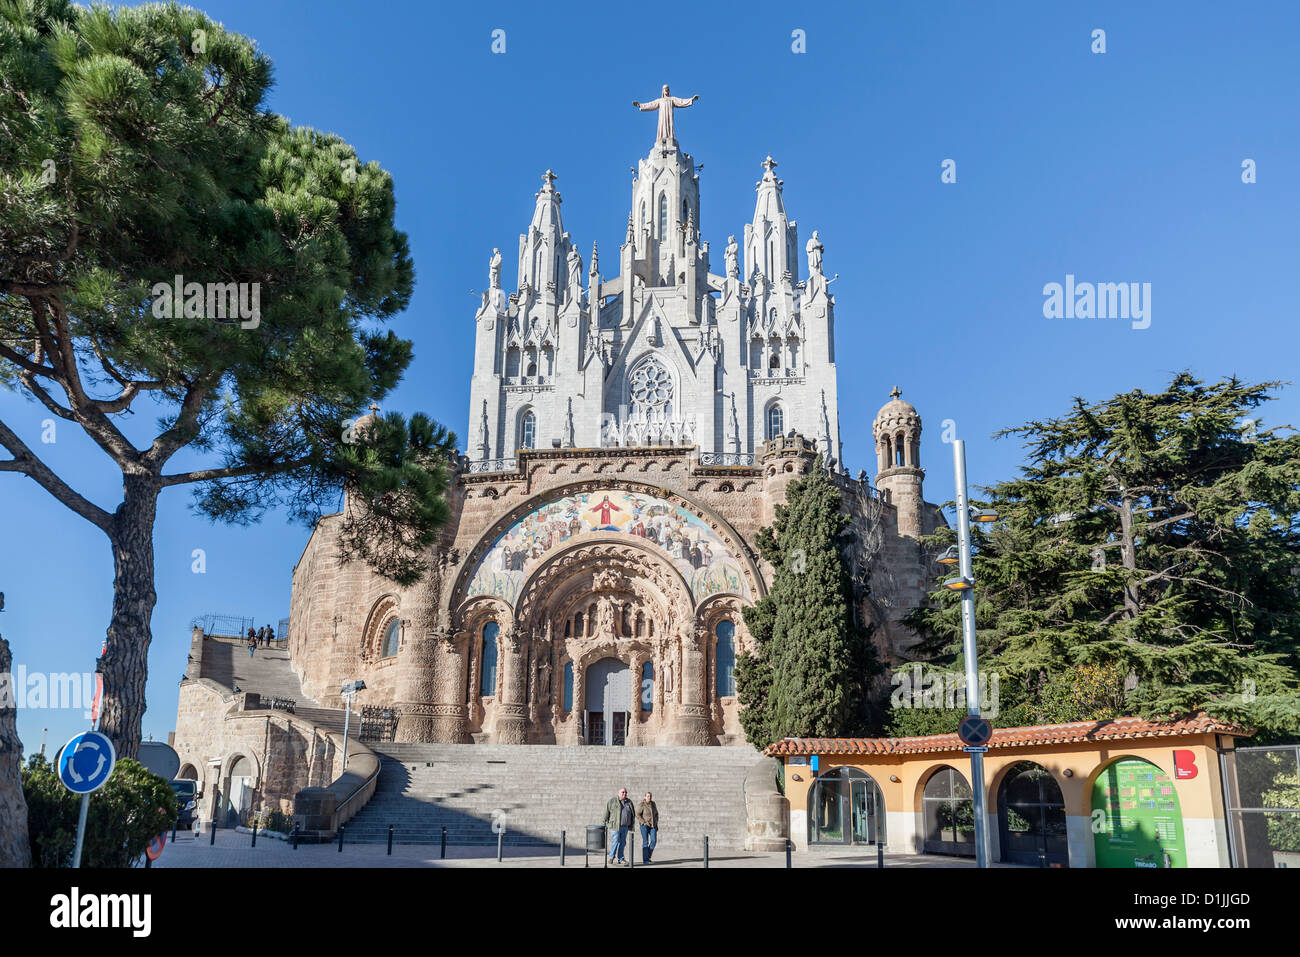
column 619, row 815
column 647, row 815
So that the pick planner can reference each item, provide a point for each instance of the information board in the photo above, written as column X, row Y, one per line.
column 1136, row 819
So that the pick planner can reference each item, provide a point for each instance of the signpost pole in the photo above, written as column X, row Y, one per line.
column 81, row 830
column 969, row 651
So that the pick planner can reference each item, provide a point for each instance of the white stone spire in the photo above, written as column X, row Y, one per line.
column 771, row 240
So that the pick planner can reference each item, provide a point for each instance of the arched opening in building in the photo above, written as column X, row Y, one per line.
column 1031, row 817
column 609, row 701
column 1137, row 819
column 775, row 421
column 487, row 685
column 239, row 792
column 949, row 813
column 663, row 215
column 846, row 807
column 527, row 430
column 647, row 687
column 725, row 632
column 392, row 638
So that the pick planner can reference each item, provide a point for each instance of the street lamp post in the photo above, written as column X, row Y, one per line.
column 349, row 692
column 968, row 646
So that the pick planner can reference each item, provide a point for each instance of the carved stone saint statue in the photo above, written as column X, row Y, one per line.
column 494, row 269
column 814, row 249
column 668, row 676
column 733, row 266
column 605, row 619
column 575, row 274
column 665, row 105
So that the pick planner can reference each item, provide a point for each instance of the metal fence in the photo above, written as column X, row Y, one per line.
column 223, row 626
column 1261, row 791
column 378, row 723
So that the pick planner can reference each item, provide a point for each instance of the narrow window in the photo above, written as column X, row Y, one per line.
column 647, row 687
column 487, row 685
column 528, row 431
column 663, row 215
column 392, row 637
column 775, row 421
column 568, row 686
column 726, row 633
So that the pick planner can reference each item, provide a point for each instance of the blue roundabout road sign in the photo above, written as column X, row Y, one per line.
column 86, row 762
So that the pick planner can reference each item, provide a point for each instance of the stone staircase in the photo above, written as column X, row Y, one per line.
column 543, row 789
column 268, row 672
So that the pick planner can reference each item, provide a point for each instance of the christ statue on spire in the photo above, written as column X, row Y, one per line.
column 665, row 105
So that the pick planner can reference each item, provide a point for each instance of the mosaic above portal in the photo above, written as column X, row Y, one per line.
column 694, row 548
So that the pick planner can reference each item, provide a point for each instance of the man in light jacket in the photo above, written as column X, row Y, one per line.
column 619, row 815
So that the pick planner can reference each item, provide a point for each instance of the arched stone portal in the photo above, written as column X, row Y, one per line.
column 560, row 584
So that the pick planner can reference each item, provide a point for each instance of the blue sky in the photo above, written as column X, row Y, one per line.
column 1115, row 167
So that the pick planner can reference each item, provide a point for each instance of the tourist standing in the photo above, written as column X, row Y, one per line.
column 619, row 815
column 252, row 644
column 647, row 815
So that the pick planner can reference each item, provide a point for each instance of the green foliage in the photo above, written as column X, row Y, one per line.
column 136, row 154
column 810, row 672
column 137, row 147
column 129, row 811
column 919, row 722
column 1153, row 541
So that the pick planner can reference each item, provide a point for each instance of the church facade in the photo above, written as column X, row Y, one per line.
column 628, row 438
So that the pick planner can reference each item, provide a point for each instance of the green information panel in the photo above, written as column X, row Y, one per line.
column 1136, row 821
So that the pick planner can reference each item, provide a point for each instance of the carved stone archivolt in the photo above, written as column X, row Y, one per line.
column 733, row 541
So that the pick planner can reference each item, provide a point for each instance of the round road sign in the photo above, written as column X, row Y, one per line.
column 975, row 731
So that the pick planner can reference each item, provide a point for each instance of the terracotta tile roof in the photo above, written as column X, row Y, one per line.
column 1076, row 732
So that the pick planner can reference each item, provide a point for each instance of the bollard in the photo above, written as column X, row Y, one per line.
column 212, row 837
column 341, row 830
column 174, row 832
column 880, row 854
column 254, row 844
column 631, row 852
column 390, row 839
column 561, row 848
column 295, row 837
column 443, row 853
column 788, row 847
column 706, row 851
column 500, row 837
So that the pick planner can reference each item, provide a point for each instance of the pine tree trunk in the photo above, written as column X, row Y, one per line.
column 124, row 664
column 15, row 851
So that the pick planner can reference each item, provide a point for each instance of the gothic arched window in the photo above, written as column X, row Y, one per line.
column 726, row 668
column 663, row 215
column 527, row 431
column 392, row 637
column 775, row 361
column 487, row 685
column 568, row 686
column 775, row 421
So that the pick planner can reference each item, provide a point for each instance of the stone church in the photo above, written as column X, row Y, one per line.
column 628, row 438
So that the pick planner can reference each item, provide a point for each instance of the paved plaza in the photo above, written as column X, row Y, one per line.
column 233, row 849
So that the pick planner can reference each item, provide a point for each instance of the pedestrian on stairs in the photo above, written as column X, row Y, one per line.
column 619, row 815
column 252, row 644
column 647, row 815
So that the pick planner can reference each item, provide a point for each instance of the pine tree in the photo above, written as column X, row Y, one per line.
column 135, row 147
column 1150, row 546
column 810, row 673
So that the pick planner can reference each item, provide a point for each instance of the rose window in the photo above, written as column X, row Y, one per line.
column 652, row 388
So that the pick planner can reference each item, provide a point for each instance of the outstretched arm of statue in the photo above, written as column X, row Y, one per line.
column 646, row 107
column 682, row 101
